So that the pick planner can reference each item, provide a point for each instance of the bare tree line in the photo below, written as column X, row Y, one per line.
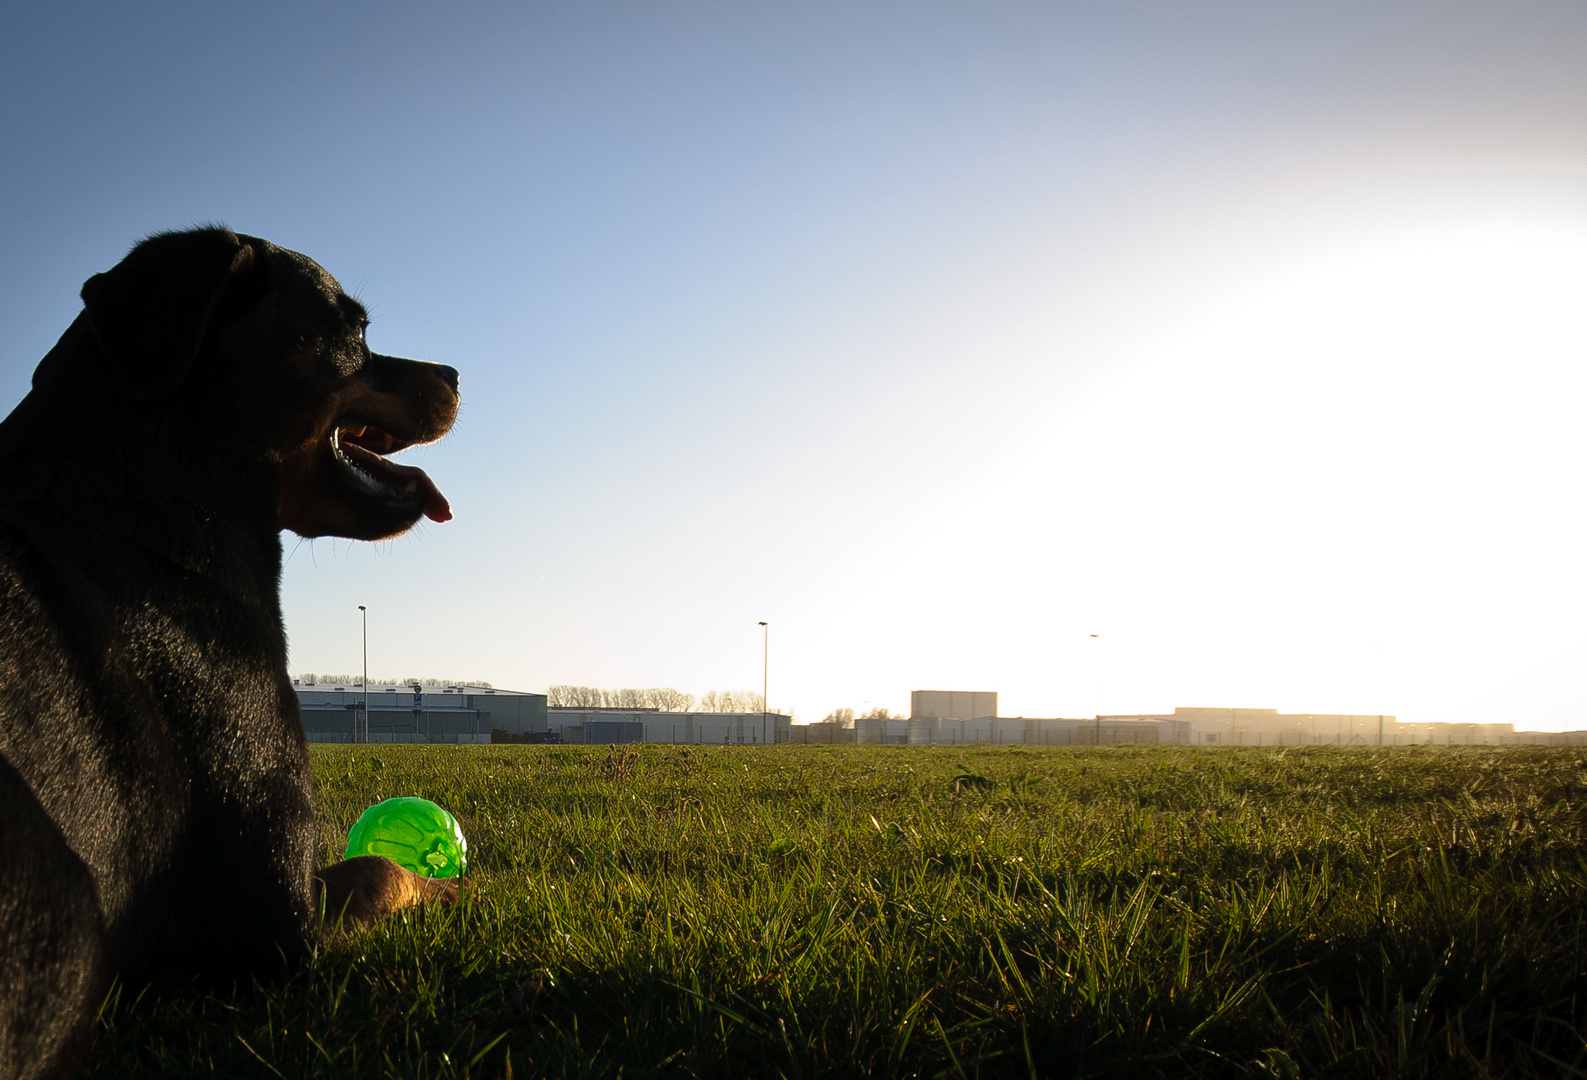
column 310, row 679
column 845, row 717
column 662, row 699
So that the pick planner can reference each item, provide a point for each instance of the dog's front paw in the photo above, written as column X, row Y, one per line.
column 359, row 891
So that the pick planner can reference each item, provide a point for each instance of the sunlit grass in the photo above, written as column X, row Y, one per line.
column 938, row 912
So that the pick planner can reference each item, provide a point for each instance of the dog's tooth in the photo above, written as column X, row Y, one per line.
column 390, row 442
column 363, row 479
column 411, row 487
column 358, row 431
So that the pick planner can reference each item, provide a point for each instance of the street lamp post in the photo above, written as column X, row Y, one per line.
column 1095, row 653
column 365, row 614
column 765, row 661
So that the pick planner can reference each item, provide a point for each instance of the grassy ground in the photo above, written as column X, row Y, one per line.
column 869, row 911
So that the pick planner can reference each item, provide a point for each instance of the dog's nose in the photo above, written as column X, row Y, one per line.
column 448, row 375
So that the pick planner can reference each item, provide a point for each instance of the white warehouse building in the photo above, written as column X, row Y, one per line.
column 411, row 713
column 654, row 726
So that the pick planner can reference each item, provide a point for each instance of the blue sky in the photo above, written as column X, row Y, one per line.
column 940, row 336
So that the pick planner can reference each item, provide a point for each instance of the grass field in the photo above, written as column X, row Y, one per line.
column 871, row 911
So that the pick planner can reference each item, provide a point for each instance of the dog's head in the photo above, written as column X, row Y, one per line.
column 262, row 349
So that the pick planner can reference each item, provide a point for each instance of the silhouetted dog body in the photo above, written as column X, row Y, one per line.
column 155, row 798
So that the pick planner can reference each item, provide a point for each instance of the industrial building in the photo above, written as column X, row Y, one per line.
column 992, row 731
column 1269, row 727
column 589, row 725
column 951, row 704
column 969, row 718
column 1198, row 726
column 1264, row 727
column 411, row 713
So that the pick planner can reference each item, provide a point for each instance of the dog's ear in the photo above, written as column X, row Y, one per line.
column 152, row 311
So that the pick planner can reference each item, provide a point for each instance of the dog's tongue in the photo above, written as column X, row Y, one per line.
column 436, row 508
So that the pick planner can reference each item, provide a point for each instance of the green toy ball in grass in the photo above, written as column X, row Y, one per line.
column 411, row 832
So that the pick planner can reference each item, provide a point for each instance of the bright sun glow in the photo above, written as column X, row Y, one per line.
column 1356, row 485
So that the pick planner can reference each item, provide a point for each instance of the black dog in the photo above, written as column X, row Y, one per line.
column 155, row 801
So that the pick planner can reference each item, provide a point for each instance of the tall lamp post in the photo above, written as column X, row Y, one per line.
column 765, row 659
column 365, row 613
column 1097, row 655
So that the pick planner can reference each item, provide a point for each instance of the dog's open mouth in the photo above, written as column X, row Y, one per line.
column 359, row 449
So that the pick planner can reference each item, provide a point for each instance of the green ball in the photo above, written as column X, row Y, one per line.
column 411, row 832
